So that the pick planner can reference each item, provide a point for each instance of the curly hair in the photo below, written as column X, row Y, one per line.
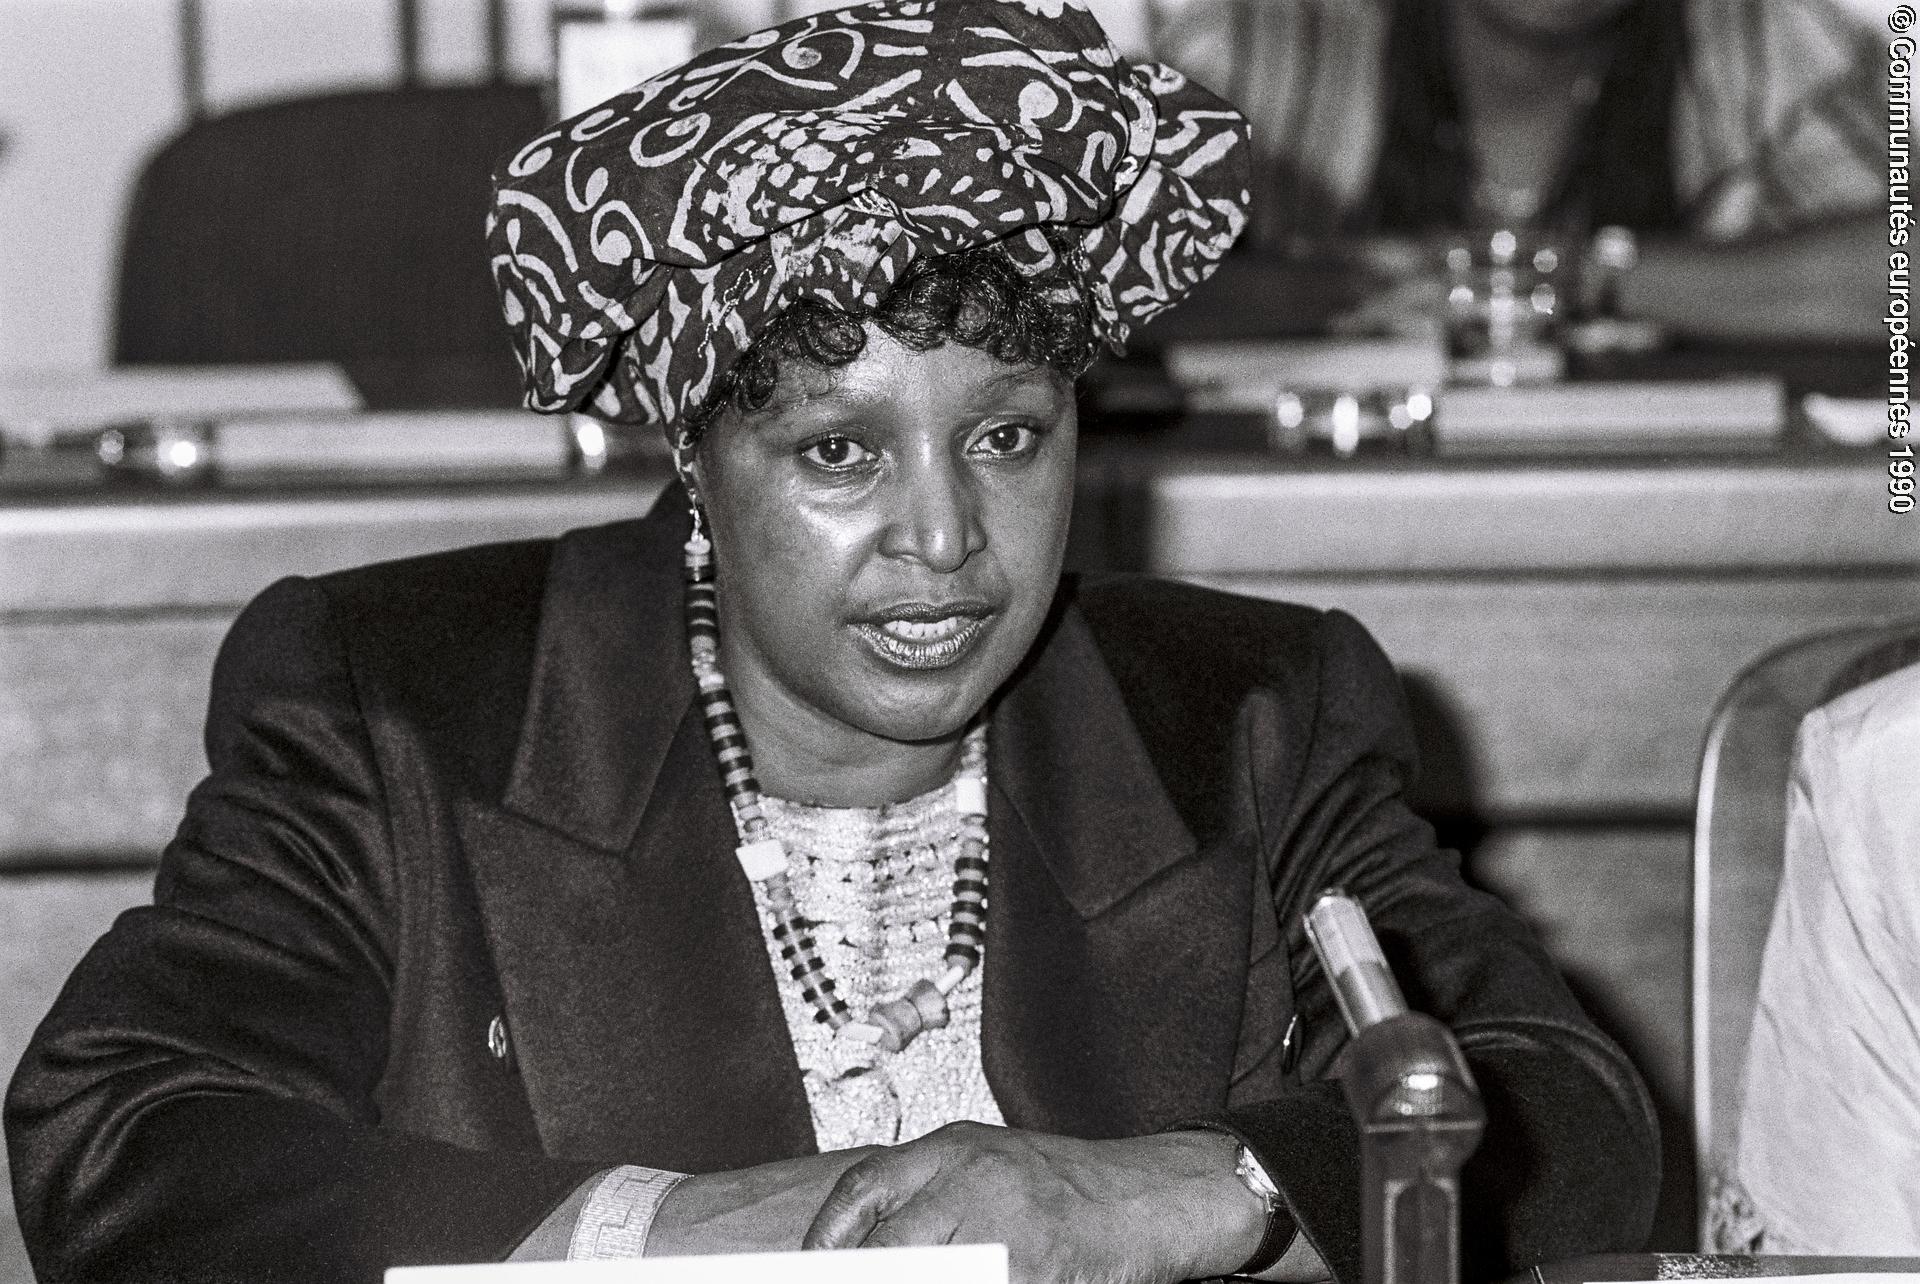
column 977, row 298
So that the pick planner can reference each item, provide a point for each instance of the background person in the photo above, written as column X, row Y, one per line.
column 1743, row 141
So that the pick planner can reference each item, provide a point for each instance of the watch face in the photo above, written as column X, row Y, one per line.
column 1248, row 1167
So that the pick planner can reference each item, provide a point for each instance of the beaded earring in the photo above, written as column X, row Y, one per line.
column 892, row 1025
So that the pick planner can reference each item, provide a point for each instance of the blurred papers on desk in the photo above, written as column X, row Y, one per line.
column 602, row 47
column 414, row 442
column 1849, row 421
column 950, row 1264
column 1733, row 413
column 1276, row 377
column 1708, row 1271
column 37, row 406
column 1246, row 376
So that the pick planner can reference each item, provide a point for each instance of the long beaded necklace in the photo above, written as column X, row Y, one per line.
column 893, row 1024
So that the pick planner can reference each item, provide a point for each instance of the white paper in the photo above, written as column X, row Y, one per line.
column 596, row 60
column 1255, row 369
column 1851, row 421
column 1838, row 1277
column 951, row 1264
column 1715, row 409
column 37, row 404
column 437, row 441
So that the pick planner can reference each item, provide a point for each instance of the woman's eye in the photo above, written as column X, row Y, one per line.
column 1006, row 439
column 836, row 453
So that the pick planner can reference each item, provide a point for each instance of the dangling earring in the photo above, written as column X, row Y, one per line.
column 702, row 602
column 699, row 549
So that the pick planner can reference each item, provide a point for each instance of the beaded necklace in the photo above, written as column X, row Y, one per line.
column 892, row 1025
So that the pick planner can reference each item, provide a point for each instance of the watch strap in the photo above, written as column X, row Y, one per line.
column 1280, row 1224
column 1282, row 1227
column 620, row 1212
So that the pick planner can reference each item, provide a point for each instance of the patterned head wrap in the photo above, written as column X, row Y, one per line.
column 639, row 248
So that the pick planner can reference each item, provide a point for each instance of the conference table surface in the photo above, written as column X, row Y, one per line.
column 1602, row 1268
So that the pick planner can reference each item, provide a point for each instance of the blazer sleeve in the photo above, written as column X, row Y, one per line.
column 1569, row 1161
column 200, row 1103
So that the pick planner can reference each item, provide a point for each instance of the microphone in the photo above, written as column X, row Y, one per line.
column 1413, row 1097
column 1363, row 985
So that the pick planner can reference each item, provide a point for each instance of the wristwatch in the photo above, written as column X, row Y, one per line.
column 1253, row 1175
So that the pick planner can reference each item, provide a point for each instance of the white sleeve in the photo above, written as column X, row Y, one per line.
column 1829, row 1146
column 619, row 1212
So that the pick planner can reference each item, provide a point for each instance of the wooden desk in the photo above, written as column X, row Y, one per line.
column 1630, row 592
column 1599, row 1268
column 111, row 608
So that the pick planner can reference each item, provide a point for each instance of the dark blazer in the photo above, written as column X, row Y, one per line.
column 475, row 786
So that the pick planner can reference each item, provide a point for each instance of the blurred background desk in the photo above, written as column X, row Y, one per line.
column 1564, row 629
column 111, row 608
column 1692, row 1266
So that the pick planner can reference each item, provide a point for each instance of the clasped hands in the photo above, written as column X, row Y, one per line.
column 1141, row 1210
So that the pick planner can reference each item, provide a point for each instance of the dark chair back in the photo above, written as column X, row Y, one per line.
column 345, row 227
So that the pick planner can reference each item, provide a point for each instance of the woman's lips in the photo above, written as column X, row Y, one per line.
column 920, row 639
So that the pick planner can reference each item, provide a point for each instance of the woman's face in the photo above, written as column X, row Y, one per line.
column 887, row 538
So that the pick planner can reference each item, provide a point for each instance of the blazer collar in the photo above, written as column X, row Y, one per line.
column 610, row 683
column 610, row 688
column 1066, row 757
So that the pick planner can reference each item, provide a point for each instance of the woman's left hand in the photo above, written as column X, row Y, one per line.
column 1145, row 1210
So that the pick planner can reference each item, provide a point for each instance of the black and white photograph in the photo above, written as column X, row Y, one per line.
column 958, row 641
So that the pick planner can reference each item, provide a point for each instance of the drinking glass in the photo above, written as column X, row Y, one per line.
column 1505, row 305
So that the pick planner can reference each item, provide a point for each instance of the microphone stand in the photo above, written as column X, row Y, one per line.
column 1414, row 1099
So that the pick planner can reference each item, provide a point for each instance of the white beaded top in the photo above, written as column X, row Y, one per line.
column 876, row 883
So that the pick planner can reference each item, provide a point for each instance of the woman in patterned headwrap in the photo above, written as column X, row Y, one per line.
column 810, row 836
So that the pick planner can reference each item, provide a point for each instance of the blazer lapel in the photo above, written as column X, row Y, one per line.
column 1117, row 952
column 643, row 1011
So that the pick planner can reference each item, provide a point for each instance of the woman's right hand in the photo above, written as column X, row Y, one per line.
column 748, row 1210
